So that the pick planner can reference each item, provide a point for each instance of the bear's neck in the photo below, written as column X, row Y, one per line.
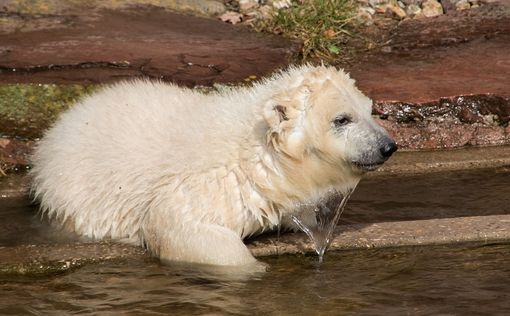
column 285, row 183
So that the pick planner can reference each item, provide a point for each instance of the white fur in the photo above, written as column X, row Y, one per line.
column 189, row 175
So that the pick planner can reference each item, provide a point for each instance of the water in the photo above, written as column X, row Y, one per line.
column 403, row 281
column 412, row 197
column 325, row 215
column 438, row 195
column 460, row 280
column 378, row 199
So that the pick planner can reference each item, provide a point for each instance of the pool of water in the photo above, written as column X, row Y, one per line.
column 403, row 281
column 460, row 280
column 428, row 196
column 377, row 199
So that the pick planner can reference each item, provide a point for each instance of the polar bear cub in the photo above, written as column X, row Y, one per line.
column 189, row 175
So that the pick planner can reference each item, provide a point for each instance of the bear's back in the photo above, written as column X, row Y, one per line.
column 98, row 166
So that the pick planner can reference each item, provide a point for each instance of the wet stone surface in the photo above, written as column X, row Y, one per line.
column 14, row 155
column 391, row 210
column 109, row 45
column 459, row 53
column 50, row 259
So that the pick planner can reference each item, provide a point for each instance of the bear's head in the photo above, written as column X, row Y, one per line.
column 321, row 126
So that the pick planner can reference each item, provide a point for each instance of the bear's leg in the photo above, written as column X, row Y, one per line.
column 199, row 243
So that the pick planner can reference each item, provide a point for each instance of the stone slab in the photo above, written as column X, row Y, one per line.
column 44, row 260
column 459, row 53
column 110, row 45
column 443, row 82
column 53, row 259
column 467, row 158
column 482, row 229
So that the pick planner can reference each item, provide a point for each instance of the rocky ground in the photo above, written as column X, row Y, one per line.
column 368, row 11
column 442, row 82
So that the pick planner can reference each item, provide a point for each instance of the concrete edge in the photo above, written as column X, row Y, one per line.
column 44, row 260
column 467, row 158
column 480, row 229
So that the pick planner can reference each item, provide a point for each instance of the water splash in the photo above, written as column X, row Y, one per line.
column 318, row 220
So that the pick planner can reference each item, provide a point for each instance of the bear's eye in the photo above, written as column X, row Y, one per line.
column 341, row 120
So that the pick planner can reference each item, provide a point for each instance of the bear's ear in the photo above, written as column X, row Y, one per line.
column 275, row 114
column 286, row 106
column 282, row 112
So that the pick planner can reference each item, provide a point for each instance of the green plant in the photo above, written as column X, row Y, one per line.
column 321, row 25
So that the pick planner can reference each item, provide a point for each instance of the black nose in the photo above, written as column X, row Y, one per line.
column 388, row 149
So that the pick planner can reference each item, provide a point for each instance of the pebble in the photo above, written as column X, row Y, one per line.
column 247, row 5
column 462, row 5
column 364, row 17
column 431, row 8
column 281, row 4
column 267, row 11
column 408, row 2
column 376, row 3
column 367, row 9
column 413, row 10
column 396, row 11
column 202, row 7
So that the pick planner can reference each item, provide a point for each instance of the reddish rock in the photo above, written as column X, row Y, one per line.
column 459, row 53
column 145, row 41
column 443, row 82
column 485, row 135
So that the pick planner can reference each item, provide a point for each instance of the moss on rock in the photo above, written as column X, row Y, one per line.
column 26, row 110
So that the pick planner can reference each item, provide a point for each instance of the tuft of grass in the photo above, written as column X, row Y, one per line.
column 321, row 25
